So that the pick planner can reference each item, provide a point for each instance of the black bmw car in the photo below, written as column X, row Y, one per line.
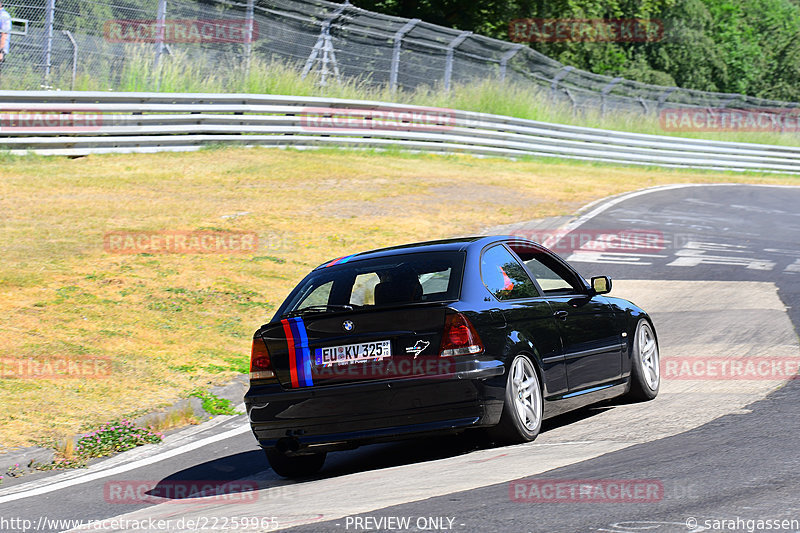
column 484, row 332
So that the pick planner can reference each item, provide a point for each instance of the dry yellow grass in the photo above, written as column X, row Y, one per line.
column 172, row 323
column 173, row 419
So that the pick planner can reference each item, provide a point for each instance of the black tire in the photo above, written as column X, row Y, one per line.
column 645, row 361
column 295, row 466
column 517, row 423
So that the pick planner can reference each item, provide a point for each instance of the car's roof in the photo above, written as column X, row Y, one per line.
column 449, row 245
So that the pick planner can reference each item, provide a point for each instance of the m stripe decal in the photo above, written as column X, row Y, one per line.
column 299, row 352
column 304, row 354
column 341, row 260
column 287, row 330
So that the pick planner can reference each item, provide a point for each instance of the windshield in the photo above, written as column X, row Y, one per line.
column 396, row 280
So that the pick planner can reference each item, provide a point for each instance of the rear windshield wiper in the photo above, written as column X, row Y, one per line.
column 319, row 308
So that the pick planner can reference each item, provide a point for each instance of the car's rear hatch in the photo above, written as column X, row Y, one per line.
column 317, row 349
column 366, row 318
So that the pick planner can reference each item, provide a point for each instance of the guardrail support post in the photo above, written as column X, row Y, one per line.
column 398, row 43
column 49, row 12
column 505, row 59
column 448, row 68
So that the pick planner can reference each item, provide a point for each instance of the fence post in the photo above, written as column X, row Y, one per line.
column 398, row 42
column 505, row 59
column 74, row 57
column 448, row 68
column 604, row 91
column 49, row 14
column 324, row 46
column 560, row 75
column 248, row 47
column 161, row 18
column 663, row 97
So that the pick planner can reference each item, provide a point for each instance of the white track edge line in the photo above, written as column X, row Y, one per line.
column 125, row 467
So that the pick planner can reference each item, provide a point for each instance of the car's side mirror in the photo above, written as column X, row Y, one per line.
column 601, row 284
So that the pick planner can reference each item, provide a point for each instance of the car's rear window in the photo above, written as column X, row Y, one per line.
column 395, row 280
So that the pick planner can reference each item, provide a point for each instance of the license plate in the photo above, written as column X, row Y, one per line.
column 353, row 353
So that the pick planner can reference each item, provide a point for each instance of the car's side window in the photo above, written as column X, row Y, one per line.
column 552, row 276
column 505, row 278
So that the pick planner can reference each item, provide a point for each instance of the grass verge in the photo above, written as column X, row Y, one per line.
column 166, row 325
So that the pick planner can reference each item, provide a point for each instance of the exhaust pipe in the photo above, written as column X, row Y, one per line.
column 288, row 445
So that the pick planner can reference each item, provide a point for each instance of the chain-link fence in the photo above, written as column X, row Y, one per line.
column 55, row 42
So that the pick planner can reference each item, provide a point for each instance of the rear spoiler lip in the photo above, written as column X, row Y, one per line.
column 371, row 309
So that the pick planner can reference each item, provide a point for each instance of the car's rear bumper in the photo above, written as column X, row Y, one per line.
column 358, row 413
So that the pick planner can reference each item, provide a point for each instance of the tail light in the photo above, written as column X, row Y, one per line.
column 460, row 337
column 260, row 364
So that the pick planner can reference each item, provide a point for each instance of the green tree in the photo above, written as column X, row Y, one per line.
column 737, row 46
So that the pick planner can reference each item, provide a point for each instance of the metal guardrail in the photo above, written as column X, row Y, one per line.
column 81, row 123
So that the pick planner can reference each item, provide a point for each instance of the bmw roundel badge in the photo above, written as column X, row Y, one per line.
column 348, row 325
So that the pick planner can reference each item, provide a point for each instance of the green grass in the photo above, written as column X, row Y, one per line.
column 214, row 405
column 193, row 74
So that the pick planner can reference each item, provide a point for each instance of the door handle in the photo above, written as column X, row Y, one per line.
column 561, row 314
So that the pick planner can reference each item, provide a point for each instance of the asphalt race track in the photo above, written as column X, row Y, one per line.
column 719, row 450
